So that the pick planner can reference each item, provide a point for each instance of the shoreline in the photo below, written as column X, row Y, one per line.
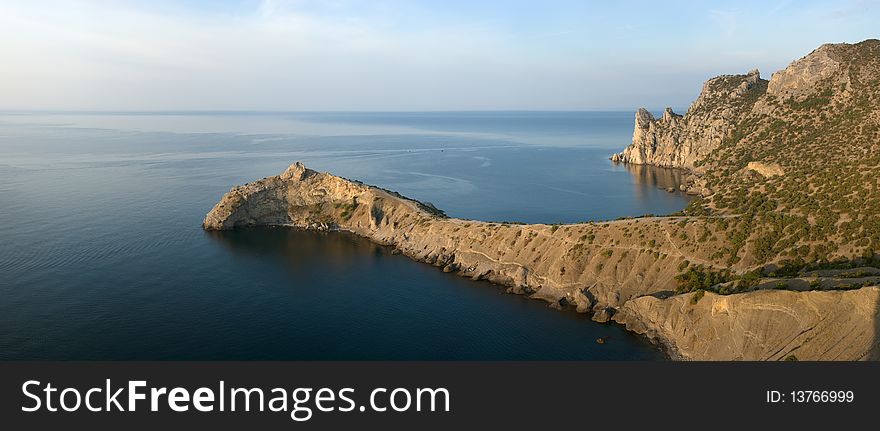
column 666, row 350
column 623, row 270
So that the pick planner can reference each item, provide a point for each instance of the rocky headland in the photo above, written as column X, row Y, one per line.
column 775, row 260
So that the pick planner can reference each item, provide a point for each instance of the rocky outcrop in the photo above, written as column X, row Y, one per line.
column 622, row 270
column 766, row 169
column 801, row 76
column 269, row 201
column 679, row 141
column 726, row 101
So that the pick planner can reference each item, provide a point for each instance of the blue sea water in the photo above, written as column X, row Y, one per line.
column 102, row 255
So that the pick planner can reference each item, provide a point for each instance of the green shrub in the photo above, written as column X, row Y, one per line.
column 698, row 295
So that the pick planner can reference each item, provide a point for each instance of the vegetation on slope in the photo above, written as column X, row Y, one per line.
column 826, row 206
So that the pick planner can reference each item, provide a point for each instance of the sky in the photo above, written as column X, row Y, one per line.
column 350, row 55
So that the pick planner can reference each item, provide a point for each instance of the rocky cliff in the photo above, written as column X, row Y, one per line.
column 678, row 141
column 622, row 270
column 799, row 154
column 795, row 161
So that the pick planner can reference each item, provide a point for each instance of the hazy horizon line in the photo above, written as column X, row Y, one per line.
column 316, row 111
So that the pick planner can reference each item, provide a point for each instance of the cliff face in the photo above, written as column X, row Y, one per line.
column 622, row 270
column 802, row 77
column 798, row 155
column 678, row 141
column 831, row 73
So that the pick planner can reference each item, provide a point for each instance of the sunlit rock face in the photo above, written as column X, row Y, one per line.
column 678, row 141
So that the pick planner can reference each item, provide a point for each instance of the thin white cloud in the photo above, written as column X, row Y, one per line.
column 100, row 55
column 300, row 55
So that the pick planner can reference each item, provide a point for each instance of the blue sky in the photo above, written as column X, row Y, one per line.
column 400, row 55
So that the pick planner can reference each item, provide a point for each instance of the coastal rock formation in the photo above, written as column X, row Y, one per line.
column 620, row 270
column 678, row 141
column 590, row 266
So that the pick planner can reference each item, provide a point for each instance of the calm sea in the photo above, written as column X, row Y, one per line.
column 102, row 255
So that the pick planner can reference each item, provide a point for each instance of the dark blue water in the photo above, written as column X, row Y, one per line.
column 102, row 256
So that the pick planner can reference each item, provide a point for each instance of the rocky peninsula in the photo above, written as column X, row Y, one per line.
column 774, row 261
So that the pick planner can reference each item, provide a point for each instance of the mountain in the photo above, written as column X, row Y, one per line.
column 796, row 158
